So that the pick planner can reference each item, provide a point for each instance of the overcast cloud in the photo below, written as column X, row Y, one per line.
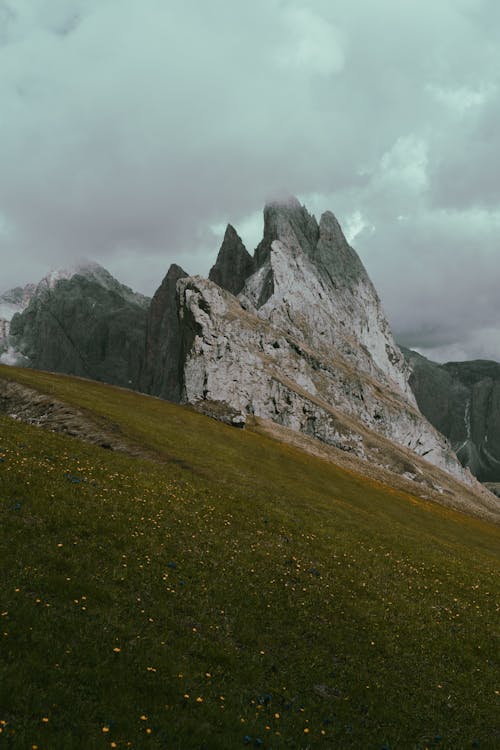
column 132, row 131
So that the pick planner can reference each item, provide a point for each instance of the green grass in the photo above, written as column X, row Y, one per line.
column 233, row 588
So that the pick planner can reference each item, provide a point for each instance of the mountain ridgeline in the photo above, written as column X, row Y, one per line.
column 294, row 335
column 81, row 322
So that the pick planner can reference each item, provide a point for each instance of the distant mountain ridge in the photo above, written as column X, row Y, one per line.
column 462, row 400
column 81, row 321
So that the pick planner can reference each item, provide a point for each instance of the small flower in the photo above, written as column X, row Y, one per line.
column 105, row 730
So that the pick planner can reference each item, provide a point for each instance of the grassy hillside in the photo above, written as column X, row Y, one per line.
column 230, row 591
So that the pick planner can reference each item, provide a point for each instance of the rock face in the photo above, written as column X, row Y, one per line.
column 160, row 373
column 82, row 322
column 234, row 263
column 462, row 400
column 11, row 302
column 306, row 344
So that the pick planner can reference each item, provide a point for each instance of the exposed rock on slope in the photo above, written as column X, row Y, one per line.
column 160, row 373
column 32, row 407
column 306, row 344
column 82, row 322
column 462, row 400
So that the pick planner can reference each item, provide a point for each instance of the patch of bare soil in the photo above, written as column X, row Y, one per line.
column 29, row 406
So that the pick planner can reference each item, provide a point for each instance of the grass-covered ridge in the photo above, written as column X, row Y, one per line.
column 234, row 591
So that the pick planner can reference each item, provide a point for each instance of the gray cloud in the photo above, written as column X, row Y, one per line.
column 132, row 132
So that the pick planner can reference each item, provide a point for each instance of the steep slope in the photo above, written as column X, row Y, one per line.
column 231, row 591
column 462, row 400
column 83, row 322
column 306, row 344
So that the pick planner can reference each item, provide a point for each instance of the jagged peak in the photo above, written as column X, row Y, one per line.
column 334, row 255
column 231, row 233
column 287, row 202
column 289, row 221
column 329, row 222
column 169, row 281
column 176, row 271
column 81, row 267
column 234, row 263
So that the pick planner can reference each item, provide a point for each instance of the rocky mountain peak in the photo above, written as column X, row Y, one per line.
column 290, row 222
column 334, row 257
column 91, row 272
column 82, row 321
column 234, row 263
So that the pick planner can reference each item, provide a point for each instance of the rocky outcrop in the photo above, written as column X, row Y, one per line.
column 234, row 263
column 235, row 358
column 306, row 344
column 82, row 322
column 160, row 370
column 462, row 400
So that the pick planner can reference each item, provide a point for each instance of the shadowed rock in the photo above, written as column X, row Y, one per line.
column 83, row 323
column 160, row 370
column 462, row 400
column 234, row 263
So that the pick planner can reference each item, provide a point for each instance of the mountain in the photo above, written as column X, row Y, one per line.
column 462, row 400
column 294, row 336
column 304, row 344
column 83, row 322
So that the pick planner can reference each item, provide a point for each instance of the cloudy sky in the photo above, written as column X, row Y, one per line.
column 132, row 131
